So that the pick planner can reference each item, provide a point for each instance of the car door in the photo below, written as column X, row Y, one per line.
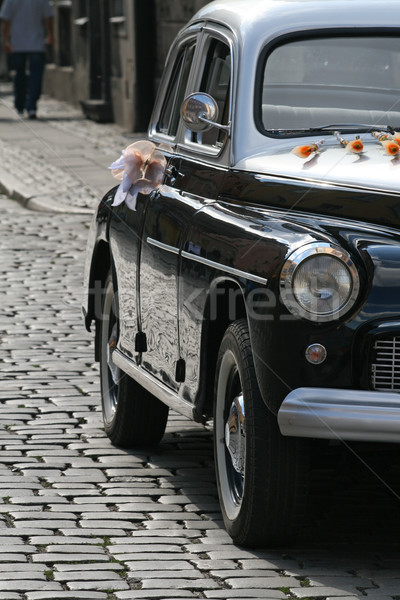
column 126, row 226
column 192, row 181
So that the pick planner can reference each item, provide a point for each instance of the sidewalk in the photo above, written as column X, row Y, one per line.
column 59, row 162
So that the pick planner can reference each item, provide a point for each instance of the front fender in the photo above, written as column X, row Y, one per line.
column 236, row 249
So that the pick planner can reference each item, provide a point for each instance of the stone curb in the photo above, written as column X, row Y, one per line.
column 11, row 187
column 47, row 204
column 32, row 200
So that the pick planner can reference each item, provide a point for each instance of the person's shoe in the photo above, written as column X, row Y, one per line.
column 32, row 114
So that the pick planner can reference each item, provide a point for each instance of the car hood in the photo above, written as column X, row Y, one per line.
column 333, row 164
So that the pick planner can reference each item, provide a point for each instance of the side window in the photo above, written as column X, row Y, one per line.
column 216, row 81
column 170, row 112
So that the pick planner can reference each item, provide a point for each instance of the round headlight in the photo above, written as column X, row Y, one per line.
column 319, row 282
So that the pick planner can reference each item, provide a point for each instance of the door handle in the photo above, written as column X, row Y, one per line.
column 172, row 173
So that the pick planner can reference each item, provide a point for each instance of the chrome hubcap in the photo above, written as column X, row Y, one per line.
column 235, row 434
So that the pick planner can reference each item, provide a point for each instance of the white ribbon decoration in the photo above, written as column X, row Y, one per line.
column 141, row 167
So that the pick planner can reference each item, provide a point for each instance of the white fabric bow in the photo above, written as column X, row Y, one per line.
column 140, row 165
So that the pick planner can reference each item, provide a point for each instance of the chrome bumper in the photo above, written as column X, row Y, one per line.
column 341, row 414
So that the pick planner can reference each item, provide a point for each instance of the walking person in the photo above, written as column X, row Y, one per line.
column 27, row 26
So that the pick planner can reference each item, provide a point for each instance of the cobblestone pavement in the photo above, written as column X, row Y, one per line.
column 80, row 518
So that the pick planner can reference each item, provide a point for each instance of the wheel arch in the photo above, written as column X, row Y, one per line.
column 219, row 313
column 99, row 269
column 98, row 258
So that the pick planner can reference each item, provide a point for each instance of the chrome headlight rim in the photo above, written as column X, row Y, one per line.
column 296, row 259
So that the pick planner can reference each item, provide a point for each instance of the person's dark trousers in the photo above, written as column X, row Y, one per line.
column 27, row 90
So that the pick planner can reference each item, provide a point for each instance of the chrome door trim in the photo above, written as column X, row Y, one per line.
column 153, row 385
column 221, row 267
column 152, row 242
column 207, row 262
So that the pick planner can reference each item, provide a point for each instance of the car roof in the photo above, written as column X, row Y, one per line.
column 280, row 16
column 254, row 24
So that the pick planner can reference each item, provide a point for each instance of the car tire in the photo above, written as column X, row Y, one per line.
column 132, row 416
column 262, row 477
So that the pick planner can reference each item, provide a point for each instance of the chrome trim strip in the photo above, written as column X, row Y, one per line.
column 341, row 414
column 308, row 182
column 221, row 267
column 153, row 385
column 162, row 246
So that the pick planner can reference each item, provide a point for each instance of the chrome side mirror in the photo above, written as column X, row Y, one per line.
column 199, row 112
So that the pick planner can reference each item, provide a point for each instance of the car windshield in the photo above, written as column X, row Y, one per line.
column 308, row 83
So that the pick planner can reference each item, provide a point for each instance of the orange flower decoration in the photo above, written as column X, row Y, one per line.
column 355, row 146
column 303, row 151
column 391, row 144
column 391, row 147
column 307, row 149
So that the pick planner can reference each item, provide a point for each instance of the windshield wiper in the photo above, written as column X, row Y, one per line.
column 332, row 127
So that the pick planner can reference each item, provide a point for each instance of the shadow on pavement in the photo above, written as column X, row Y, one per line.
column 354, row 496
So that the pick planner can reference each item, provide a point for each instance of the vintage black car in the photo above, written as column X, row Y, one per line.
column 247, row 267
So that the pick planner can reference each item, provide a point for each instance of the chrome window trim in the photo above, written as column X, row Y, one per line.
column 227, row 36
column 200, row 31
column 221, row 267
column 193, row 33
column 289, row 269
column 198, row 148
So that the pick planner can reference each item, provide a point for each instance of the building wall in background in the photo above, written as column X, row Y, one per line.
column 109, row 55
column 171, row 17
column 4, row 74
column 60, row 79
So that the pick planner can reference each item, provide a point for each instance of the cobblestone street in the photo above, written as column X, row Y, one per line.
column 80, row 518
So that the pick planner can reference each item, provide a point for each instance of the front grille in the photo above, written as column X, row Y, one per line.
column 385, row 366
